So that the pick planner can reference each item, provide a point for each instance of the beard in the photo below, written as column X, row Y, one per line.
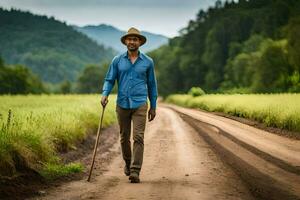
column 132, row 48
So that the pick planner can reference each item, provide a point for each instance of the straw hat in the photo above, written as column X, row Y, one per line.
column 134, row 32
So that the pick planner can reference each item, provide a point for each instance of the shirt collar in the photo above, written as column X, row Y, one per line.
column 125, row 55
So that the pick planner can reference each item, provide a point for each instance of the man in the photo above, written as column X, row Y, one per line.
column 134, row 72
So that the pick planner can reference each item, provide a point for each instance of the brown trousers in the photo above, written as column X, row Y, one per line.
column 138, row 116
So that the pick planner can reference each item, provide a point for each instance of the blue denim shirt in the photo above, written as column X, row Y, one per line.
column 135, row 81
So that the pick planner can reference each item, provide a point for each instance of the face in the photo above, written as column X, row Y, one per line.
column 133, row 43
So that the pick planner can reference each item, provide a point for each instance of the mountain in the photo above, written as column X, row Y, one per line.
column 110, row 36
column 50, row 48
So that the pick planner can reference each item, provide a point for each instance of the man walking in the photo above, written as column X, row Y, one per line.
column 134, row 72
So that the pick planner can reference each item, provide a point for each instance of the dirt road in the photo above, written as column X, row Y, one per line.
column 178, row 164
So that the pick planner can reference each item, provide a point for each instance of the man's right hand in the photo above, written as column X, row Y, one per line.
column 104, row 100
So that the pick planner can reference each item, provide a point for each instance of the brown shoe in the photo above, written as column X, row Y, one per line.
column 134, row 177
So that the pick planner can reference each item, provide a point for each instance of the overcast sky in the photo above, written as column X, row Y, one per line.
column 165, row 17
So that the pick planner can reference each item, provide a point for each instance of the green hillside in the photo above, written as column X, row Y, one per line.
column 50, row 48
column 236, row 46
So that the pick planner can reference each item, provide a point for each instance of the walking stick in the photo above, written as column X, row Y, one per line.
column 96, row 144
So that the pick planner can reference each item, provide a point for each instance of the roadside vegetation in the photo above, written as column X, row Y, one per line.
column 34, row 128
column 274, row 110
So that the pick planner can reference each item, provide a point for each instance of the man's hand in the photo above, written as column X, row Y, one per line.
column 104, row 101
column 151, row 114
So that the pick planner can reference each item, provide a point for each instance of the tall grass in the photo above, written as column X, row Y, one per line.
column 274, row 110
column 34, row 128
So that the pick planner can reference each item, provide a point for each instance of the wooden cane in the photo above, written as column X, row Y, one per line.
column 96, row 144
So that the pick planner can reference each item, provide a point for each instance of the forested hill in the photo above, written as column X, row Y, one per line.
column 244, row 46
column 50, row 48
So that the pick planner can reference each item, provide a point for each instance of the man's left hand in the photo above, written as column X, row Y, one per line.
column 151, row 114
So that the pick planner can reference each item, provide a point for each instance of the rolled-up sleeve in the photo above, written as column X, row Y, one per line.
column 110, row 78
column 152, row 85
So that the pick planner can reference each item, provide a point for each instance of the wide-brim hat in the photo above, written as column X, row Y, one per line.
column 134, row 32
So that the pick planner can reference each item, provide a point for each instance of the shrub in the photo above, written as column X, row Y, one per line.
column 196, row 91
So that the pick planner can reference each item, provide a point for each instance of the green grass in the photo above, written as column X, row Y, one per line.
column 51, row 171
column 34, row 128
column 274, row 110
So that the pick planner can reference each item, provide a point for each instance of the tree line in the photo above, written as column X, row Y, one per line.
column 249, row 46
column 19, row 79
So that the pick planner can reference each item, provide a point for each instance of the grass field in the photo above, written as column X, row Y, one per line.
column 274, row 110
column 34, row 128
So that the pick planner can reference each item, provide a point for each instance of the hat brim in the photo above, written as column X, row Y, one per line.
column 142, row 38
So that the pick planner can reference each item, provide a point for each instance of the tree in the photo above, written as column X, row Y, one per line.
column 1, row 62
column 294, row 43
column 19, row 80
column 273, row 69
column 242, row 63
column 213, row 57
column 65, row 87
column 92, row 78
